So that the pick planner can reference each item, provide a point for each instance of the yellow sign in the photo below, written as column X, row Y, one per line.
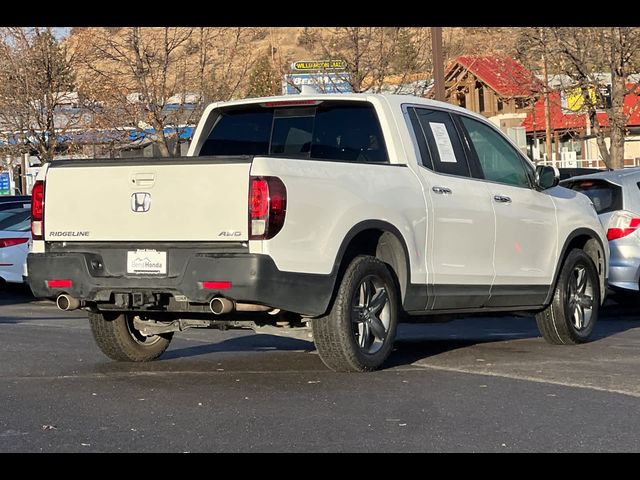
column 320, row 65
column 575, row 99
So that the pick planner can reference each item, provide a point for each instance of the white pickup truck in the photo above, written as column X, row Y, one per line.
column 336, row 216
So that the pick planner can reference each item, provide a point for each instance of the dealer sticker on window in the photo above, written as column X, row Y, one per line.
column 147, row 262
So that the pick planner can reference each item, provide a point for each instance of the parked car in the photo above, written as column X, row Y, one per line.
column 15, row 238
column 616, row 197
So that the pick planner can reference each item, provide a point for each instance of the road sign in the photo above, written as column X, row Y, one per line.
column 323, row 82
column 5, row 183
column 305, row 65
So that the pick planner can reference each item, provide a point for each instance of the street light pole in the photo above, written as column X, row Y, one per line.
column 438, row 63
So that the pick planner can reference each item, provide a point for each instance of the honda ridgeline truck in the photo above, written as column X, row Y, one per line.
column 332, row 217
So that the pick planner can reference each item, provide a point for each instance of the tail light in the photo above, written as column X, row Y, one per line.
column 267, row 207
column 622, row 224
column 10, row 242
column 37, row 210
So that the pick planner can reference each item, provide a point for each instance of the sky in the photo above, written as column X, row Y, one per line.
column 61, row 32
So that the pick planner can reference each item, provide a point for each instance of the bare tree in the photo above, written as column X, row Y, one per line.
column 593, row 57
column 532, row 48
column 36, row 82
column 585, row 52
column 373, row 54
column 149, row 78
column 226, row 55
column 133, row 74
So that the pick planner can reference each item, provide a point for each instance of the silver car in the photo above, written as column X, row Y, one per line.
column 616, row 197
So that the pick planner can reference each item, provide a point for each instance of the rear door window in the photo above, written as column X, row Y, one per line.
column 445, row 152
column 339, row 131
column 606, row 196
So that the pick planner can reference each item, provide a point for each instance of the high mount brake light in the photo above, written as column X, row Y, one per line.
column 291, row 103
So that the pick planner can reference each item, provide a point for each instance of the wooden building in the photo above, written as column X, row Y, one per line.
column 491, row 85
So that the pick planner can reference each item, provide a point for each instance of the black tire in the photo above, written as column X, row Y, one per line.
column 120, row 341
column 349, row 338
column 562, row 323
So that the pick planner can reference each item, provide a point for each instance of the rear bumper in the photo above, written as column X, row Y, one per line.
column 624, row 266
column 254, row 279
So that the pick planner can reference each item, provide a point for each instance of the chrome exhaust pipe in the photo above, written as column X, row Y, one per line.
column 220, row 305
column 67, row 302
column 250, row 307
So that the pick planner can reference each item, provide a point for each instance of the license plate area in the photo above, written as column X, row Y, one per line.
column 146, row 262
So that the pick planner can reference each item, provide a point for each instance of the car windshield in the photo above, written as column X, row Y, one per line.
column 15, row 220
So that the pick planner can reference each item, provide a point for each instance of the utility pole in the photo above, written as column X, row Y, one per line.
column 547, row 105
column 438, row 63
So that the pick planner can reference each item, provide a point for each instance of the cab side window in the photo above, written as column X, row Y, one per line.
column 439, row 143
column 499, row 161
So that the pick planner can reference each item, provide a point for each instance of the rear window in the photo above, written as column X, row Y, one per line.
column 15, row 220
column 606, row 197
column 341, row 131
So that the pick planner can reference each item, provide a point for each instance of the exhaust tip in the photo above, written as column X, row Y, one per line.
column 220, row 305
column 67, row 302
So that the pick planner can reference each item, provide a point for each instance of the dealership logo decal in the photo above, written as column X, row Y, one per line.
column 145, row 264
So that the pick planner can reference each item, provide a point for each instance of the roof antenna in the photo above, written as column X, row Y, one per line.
column 308, row 90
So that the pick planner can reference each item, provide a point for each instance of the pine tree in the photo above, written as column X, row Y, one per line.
column 263, row 79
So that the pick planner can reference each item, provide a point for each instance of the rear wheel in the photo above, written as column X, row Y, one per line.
column 358, row 333
column 573, row 312
column 119, row 340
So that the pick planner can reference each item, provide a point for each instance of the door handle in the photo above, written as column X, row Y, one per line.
column 502, row 199
column 442, row 190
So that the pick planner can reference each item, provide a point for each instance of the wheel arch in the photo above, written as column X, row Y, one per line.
column 587, row 240
column 379, row 239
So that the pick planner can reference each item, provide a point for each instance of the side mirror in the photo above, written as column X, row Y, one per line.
column 547, row 177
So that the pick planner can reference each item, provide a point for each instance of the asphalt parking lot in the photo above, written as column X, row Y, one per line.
column 472, row 385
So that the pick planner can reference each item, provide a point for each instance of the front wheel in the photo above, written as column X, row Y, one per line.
column 119, row 340
column 573, row 312
column 359, row 332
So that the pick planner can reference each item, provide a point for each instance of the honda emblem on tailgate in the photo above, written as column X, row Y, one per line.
column 140, row 201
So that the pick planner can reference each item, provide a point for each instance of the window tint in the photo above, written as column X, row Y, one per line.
column 292, row 130
column 350, row 133
column 344, row 131
column 499, row 161
column 13, row 205
column 606, row 197
column 444, row 144
column 15, row 220
column 240, row 132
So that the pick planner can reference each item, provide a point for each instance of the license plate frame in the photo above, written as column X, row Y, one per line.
column 146, row 262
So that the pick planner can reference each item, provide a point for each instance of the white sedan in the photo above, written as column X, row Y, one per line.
column 15, row 238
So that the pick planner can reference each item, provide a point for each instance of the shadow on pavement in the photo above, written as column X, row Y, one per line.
column 15, row 293
column 247, row 343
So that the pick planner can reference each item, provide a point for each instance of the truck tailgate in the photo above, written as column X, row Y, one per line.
column 180, row 199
